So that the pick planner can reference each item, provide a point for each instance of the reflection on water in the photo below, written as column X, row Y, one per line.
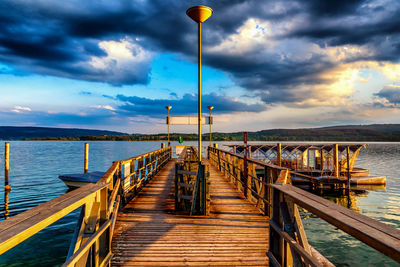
column 35, row 166
column 6, row 201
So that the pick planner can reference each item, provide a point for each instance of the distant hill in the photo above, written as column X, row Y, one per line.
column 373, row 132
column 362, row 133
column 20, row 133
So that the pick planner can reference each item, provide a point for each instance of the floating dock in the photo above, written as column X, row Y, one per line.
column 314, row 163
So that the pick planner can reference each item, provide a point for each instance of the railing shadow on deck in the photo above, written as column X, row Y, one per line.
column 271, row 191
column 99, row 204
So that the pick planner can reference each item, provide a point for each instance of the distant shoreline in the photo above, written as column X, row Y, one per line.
column 347, row 133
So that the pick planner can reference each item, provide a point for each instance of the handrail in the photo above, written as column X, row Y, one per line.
column 99, row 206
column 22, row 226
column 272, row 192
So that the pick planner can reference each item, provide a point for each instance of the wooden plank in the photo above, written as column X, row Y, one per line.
column 283, row 177
column 113, row 197
column 186, row 185
column 299, row 249
column 148, row 233
column 187, row 172
column 86, row 246
column 185, row 197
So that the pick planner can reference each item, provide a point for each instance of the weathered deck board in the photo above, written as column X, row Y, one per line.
column 149, row 234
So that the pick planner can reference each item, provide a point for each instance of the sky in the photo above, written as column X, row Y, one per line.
column 115, row 65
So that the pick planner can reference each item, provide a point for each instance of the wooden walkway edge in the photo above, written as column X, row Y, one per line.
column 148, row 233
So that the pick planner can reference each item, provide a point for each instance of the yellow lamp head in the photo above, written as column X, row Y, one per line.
column 199, row 13
column 210, row 107
column 168, row 107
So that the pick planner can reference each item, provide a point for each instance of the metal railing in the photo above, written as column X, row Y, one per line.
column 268, row 187
column 99, row 203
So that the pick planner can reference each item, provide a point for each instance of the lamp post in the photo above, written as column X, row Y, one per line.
column 210, row 108
column 199, row 14
column 168, row 108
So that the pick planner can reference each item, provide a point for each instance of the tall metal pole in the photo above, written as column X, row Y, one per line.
column 168, row 108
column 199, row 91
column 169, row 143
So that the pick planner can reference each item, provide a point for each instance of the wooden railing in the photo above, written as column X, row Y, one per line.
column 192, row 193
column 272, row 192
column 99, row 203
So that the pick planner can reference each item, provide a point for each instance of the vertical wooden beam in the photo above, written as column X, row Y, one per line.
column 7, row 187
column 162, row 145
column 245, row 169
column 348, row 167
column 322, row 159
column 279, row 154
column 86, row 158
column 336, row 159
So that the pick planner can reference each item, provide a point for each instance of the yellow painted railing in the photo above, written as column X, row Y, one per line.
column 99, row 203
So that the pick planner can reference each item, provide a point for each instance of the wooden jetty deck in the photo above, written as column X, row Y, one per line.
column 247, row 219
column 148, row 233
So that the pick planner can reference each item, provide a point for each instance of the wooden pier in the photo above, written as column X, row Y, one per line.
column 149, row 233
column 140, row 213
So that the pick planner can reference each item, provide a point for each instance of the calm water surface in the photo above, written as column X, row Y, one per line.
column 35, row 166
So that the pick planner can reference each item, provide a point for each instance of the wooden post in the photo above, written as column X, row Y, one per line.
column 336, row 159
column 348, row 167
column 215, row 145
column 7, row 187
column 245, row 175
column 162, row 145
column 278, row 154
column 322, row 159
column 86, row 160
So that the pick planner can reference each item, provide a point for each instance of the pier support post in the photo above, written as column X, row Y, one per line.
column 278, row 154
column 348, row 167
column 86, row 158
column 7, row 187
column 336, row 159
column 162, row 145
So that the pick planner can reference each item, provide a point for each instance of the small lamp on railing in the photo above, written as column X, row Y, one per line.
column 210, row 108
column 168, row 108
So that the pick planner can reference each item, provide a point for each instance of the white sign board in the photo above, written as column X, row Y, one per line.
column 188, row 120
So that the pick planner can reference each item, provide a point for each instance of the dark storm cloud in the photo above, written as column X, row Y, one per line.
column 60, row 39
column 390, row 93
column 134, row 105
column 333, row 7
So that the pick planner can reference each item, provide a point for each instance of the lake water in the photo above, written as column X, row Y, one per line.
column 35, row 166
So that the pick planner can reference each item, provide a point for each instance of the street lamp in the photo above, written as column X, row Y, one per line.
column 210, row 108
column 199, row 14
column 168, row 108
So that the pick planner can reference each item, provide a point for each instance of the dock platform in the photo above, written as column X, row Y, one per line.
column 154, row 210
column 148, row 233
